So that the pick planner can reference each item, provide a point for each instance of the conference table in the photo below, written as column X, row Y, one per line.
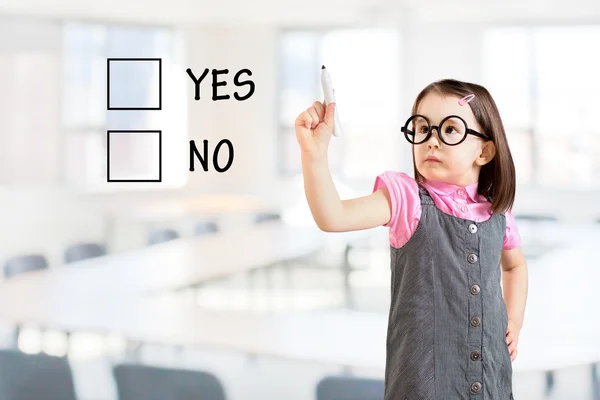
column 562, row 325
column 181, row 263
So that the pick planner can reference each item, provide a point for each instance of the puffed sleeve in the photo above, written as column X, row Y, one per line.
column 512, row 239
column 405, row 204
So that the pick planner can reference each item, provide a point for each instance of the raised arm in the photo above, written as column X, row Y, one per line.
column 332, row 214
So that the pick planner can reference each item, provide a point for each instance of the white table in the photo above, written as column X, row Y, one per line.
column 180, row 263
column 338, row 337
column 562, row 325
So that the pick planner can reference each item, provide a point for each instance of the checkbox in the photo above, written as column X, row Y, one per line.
column 133, row 156
column 134, row 84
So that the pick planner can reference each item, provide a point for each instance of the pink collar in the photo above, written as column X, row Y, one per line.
column 444, row 189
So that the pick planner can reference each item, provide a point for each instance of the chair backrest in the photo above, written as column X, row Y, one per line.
column 205, row 228
column 34, row 377
column 141, row 382
column 266, row 216
column 349, row 388
column 25, row 263
column 535, row 218
column 162, row 235
column 82, row 251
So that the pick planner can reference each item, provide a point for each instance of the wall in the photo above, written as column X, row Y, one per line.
column 44, row 216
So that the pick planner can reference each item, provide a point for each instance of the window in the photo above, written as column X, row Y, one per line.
column 544, row 80
column 29, row 67
column 365, row 70
column 86, row 120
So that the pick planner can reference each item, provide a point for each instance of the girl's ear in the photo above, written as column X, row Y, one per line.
column 488, row 151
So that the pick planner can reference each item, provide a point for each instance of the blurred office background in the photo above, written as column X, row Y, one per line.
column 224, row 275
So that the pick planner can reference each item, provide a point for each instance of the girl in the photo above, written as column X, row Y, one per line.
column 451, row 332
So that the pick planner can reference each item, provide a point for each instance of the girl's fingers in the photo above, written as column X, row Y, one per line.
column 512, row 349
column 320, row 109
column 304, row 120
column 315, row 117
column 511, row 338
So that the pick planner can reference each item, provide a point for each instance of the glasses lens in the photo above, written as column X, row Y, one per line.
column 417, row 129
column 453, row 130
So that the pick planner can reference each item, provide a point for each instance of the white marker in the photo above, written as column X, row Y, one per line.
column 329, row 94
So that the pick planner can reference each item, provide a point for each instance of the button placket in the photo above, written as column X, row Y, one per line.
column 472, row 249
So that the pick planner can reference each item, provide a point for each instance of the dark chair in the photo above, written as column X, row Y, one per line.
column 82, row 251
column 18, row 265
column 349, row 388
column 141, row 382
column 34, row 377
column 205, row 228
column 161, row 236
column 25, row 263
column 535, row 218
column 266, row 216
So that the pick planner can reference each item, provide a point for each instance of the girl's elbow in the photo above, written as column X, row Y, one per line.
column 328, row 225
column 325, row 226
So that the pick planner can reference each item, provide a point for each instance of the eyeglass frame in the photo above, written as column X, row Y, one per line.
column 468, row 131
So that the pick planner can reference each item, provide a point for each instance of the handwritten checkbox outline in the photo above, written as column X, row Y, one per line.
column 108, row 107
column 133, row 131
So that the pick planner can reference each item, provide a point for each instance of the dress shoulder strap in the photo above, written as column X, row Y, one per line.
column 424, row 195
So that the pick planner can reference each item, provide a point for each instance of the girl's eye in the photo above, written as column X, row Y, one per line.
column 450, row 129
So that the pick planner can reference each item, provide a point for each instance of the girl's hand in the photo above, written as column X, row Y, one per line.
column 512, row 339
column 314, row 128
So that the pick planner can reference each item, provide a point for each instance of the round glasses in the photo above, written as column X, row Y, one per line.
column 453, row 130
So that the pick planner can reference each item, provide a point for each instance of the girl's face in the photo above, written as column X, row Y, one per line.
column 458, row 165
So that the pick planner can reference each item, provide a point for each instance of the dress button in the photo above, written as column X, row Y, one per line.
column 475, row 289
column 464, row 209
column 475, row 355
column 461, row 191
column 472, row 228
column 475, row 321
column 476, row 387
column 472, row 258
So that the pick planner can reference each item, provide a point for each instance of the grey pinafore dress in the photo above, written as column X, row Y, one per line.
column 446, row 336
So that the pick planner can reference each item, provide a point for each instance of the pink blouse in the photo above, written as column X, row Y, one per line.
column 454, row 200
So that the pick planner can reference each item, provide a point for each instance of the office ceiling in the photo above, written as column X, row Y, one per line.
column 310, row 12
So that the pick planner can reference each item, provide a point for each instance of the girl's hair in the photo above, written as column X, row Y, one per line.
column 497, row 181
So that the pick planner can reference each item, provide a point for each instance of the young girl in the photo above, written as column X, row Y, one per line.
column 451, row 332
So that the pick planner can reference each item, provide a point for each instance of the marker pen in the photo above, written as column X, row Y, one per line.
column 329, row 94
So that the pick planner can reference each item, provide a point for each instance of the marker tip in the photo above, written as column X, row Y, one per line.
column 322, row 67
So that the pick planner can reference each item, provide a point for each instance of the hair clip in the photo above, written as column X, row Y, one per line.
column 466, row 99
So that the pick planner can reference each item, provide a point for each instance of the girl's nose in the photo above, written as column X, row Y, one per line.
column 434, row 139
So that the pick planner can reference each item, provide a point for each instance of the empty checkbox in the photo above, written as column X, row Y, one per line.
column 134, row 84
column 134, row 156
